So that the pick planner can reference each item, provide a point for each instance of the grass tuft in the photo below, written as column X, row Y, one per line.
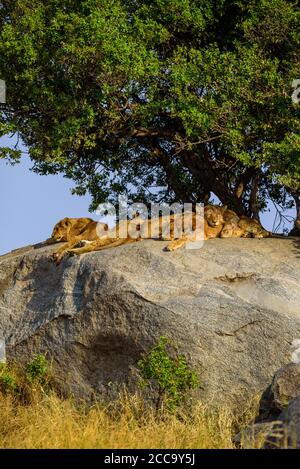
column 52, row 422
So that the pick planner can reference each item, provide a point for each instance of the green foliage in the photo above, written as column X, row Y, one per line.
column 37, row 369
column 169, row 372
column 8, row 382
column 25, row 382
column 173, row 100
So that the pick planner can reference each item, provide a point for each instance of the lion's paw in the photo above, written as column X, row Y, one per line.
column 82, row 243
column 57, row 257
column 71, row 252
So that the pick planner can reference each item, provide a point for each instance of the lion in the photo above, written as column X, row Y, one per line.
column 230, row 228
column 230, row 216
column 79, row 240
column 105, row 238
column 82, row 235
column 159, row 228
column 74, row 232
column 213, row 225
column 224, row 223
column 62, row 228
column 214, row 220
column 252, row 228
column 129, row 231
column 242, row 227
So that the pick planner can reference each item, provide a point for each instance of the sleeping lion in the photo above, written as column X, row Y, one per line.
column 73, row 232
column 82, row 235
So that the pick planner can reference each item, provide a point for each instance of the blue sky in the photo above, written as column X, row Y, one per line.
column 30, row 204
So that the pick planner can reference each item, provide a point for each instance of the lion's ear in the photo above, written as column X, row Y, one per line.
column 224, row 208
column 67, row 221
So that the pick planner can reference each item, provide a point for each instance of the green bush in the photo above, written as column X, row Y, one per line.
column 37, row 369
column 167, row 375
column 8, row 382
column 26, row 383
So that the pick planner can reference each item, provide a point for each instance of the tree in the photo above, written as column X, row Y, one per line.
column 162, row 99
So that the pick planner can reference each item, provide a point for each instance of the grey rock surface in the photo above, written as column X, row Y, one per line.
column 285, row 432
column 286, row 385
column 291, row 419
column 233, row 307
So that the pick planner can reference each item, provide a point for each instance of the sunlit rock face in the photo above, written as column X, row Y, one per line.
column 232, row 307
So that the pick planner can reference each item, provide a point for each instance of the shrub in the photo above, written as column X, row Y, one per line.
column 8, row 382
column 166, row 373
column 36, row 370
column 26, row 383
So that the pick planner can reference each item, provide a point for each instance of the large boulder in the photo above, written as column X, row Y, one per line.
column 291, row 419
column 233, row 308
column 279, row 417
column 286, row 385
column 279, row 434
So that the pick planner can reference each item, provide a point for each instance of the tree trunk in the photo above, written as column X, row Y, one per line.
column 207, row 174
column 253, row 197
column 296, row 229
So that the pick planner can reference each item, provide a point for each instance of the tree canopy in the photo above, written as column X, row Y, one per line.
column 163, row 100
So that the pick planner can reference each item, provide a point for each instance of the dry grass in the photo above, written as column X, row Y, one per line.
column 51, row 422
column 33, row 418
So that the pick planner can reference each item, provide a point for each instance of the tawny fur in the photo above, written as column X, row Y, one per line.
column 253, row 228
column 242, row 227
column 231, row 228
column 81, row 235
column 213, row 225
column 72, row 231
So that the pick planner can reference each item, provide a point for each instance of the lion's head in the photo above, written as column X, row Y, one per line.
column 61, row 229
column 213, row 214
column 232, row 230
